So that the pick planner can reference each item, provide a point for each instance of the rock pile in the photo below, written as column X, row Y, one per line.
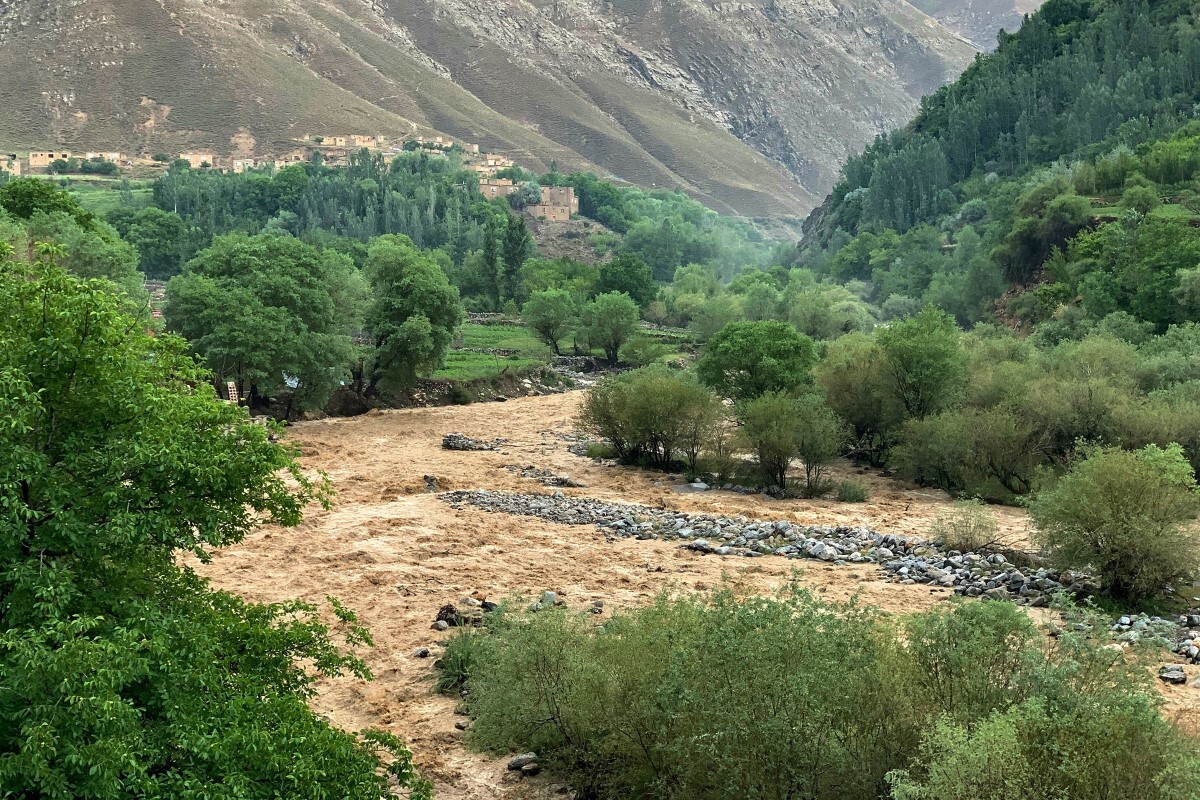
column 457, row 441
column 546, row 477
column 903, row 559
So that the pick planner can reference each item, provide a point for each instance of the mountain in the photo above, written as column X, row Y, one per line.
column 749, row 106
column 979, row 21
column 1084, row 120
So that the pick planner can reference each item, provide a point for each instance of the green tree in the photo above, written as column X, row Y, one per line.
column 782, row 428
column 761, row 301
column 1142, row 199
column 747, row 359
column 91, row 251
column 628, row 274
column 820, row 437
column 269, row 312
column 163, row 240
column 124, row 674
column 769, row 424
column 857, row 384
column 550, row 314
column 712, row 315
column 24, row 197
column 576, row 277
column 530, row 194
column 925, row 362
column 608, row 321
column 518, row 247
column 412, row 316
column 1121, row 514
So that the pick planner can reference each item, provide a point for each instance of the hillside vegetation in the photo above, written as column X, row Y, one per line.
column 1078, row 125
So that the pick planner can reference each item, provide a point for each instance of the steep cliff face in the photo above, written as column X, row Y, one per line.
column 751, row 105
column 979, row 21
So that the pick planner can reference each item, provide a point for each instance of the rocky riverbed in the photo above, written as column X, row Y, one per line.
column 903, row 559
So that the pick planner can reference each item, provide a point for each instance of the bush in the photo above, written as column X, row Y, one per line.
column 464, row 652
column 461, row 395
column 1121, row 514
column 652, row 415
column 1142, row 199
column 852, row 492
column 782, row 429
column 970, row 526
column 596, row 450
column 642, row 351
column 837, row 700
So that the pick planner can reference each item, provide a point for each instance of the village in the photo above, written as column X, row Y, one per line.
column 558, row 204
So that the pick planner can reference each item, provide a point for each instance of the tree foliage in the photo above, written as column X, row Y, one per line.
column 959, row 703
column 269, row 312
column 748, row 359
column 123, row 672
column 1122, row 514
column 608, row 321
column 413, row 313
column 550, row 314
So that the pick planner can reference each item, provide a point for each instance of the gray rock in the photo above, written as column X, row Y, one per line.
column 421, row 652
column 524, row 759
column 1173, row 674
column 440, row 625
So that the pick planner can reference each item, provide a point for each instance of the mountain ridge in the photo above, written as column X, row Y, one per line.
column 749, row 106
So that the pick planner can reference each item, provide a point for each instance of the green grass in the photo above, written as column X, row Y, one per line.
column 499, row 337
column 461, row 366
column 101, row 194
column 1164, row 211
column 102, row 201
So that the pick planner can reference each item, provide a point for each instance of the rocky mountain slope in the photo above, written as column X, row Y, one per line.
column 978, row 21
column 751, row 106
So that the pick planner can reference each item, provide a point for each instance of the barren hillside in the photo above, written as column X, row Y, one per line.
column 750, row 106
column 978, row 21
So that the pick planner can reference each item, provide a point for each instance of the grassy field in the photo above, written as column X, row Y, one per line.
column 101, row 195
column 464, row 364
column 1164, row 211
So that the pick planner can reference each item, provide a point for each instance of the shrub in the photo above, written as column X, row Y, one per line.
column 597, row 450
column 781, row 428
column 1142, row 199
column 852, row 492
column 461, row 395
column 968, row 527
column 464, row 653
column 652, row 415
column 837, row 700
column 1120, row 514
column 642, row 351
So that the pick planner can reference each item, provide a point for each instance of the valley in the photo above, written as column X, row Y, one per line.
column 396, row 553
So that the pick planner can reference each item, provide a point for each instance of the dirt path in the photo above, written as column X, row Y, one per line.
column 395, row 553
